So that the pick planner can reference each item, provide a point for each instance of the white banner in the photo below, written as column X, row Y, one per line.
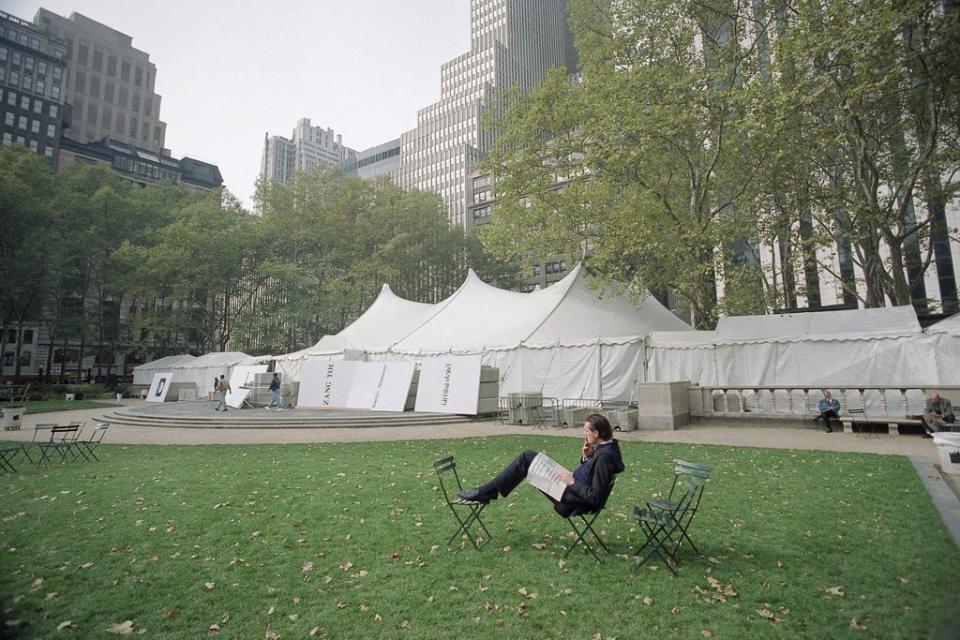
column 325, row 384
column 241, row 377
column 449, row 384
column 159, row 387
column 394, row 386
column 365, row 384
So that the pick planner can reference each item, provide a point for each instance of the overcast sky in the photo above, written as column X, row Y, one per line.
column 228, row 72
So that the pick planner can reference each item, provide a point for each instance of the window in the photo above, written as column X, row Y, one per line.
column 133, row 127
column 92, row 115
column 58, row 73
column 83, row 52
column 28, row 63
column 16, row 58
column 108, row 92
column 3, row 54
column 138, row 77
column 38, row 106
column 80, row 82
column 22, row 122
column 35, row 126
column 95, row 87
column 125, row 71
column 28, row 83
column 97, row 60
column 51, row 131
column 28, row 336
column 25, row 103
column 123, row 98
column 481, row 196
column 21, row 140
column 41, row 87
column 105, row 119
column 8, row 118
column 42, row 68
column 11, row 98
column 147, row 106
column 54, row 111
column 33, row 146
column 111, row 66
column 55, row 92
column 48, row 151
column 14, row 77
column 136, row 102
column 480, row 214
column 7, row 138
column 480, row 182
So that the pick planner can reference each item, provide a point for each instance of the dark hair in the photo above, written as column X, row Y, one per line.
column 600, row 424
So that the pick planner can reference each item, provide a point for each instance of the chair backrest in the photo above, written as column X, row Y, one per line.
column 64, row 432
column 98, row 432
column 444, row 468
column 42, row 427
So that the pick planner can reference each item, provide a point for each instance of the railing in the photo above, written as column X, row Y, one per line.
column 795, row 400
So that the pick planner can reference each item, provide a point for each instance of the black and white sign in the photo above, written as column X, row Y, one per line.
column 241, row 383
column 325, row 384
column 394, row 386
column 159, row 387
column 449, row 384
column 365, row 384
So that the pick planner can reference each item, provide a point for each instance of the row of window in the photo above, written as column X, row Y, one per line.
column 27, row 83
column 27, row 101
column 33, row 144
column 11, row 119
column 80, row 86
column 29, row 64
column 27, row 40
column 96, row 63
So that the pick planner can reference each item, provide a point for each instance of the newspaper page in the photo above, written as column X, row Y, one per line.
column 543, row 475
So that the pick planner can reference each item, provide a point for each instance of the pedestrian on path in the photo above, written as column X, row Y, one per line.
column 275, row 390
column 223, row 388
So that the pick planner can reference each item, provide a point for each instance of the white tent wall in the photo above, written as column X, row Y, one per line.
column 203, row 370
column 143, row 374
column 673, row 356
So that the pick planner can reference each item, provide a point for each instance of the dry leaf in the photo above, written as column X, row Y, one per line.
column 767, row 615
column 854, row 624
column 675, row 610
column 836, row 591
column 647, row 600
column 346, row 566
column 378, row 618
column 124, row 628
column 214, row 628
column 706, row 633
column 314, row 632
column 86, row 565
column 66, row 624
column 209, row 585
column 307, row 566
column 539, row 546
column 52, row 594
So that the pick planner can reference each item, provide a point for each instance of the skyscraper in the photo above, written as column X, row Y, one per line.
column 513, row 44
column 32, row 71
column 110, row 84
column 308, row 147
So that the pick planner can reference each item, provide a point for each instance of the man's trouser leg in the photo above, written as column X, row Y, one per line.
column 511, row 476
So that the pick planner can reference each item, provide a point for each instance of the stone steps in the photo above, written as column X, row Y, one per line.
column 250, row 419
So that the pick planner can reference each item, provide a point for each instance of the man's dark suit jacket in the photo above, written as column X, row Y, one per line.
column 593, row 481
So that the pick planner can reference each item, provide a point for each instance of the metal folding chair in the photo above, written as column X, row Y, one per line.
column 7, row 454
column 63, row 441
column 667, row 520
column 584, row 526
column 466, row 512
column 87, row 448
column 43, row 430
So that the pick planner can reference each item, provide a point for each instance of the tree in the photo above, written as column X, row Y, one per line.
column 28, row 241
column 650, row 163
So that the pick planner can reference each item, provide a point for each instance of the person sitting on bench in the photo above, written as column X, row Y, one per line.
column 829, row 407
column 938, row 414
column 587, row 487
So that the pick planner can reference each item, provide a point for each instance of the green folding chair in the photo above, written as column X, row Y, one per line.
column 466, row 512
column 7, row 454
column 582, row 525
column 667, row 521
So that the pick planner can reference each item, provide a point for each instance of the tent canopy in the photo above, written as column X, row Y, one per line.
column 143, row 374
column 851, row 324
column 479, row 317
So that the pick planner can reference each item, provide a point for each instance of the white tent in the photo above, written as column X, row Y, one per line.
column 385, row 321
column 682, row 355
column 204, row 369
column 143, row 374
column 566, row 341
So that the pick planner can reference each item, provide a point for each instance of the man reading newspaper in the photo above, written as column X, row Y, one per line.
column 583, row 491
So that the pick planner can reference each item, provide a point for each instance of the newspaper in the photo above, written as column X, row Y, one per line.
column 543, row 475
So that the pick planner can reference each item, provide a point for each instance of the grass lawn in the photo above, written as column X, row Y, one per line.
column 45, row 406
column 347, row 541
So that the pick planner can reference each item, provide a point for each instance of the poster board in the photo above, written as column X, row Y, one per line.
column 449, row 384
column 241, row 376
column 365, row 385
column 394, row 386
column 159, row 387
column 325, row 384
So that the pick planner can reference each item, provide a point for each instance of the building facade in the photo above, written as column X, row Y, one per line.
column 375, row 162
column 109, row 84
column 513, row 44
column 307, row 147
column 33, row 70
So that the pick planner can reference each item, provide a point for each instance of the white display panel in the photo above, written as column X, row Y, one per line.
column 242, row 377
column 394, row 386
column 325, row 384
column 449, row 384
column 365, row 384
column 159, row 387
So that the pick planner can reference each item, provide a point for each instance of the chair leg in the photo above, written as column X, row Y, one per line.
column 465, row 523
column 581, row 536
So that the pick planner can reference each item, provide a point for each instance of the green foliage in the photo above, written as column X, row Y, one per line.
column 348, row 541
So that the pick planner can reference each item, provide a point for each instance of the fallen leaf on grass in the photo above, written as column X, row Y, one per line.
column 855, row 624
column 706, row 633
column 52, row 594
column 307, row 566
column 526, row 594
column 835, row 591
column 124, row 628
column 647, row 600
column 209, row 585
column 212, row 629
column 539, row 546
column 768, row 615
column 66, row 624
